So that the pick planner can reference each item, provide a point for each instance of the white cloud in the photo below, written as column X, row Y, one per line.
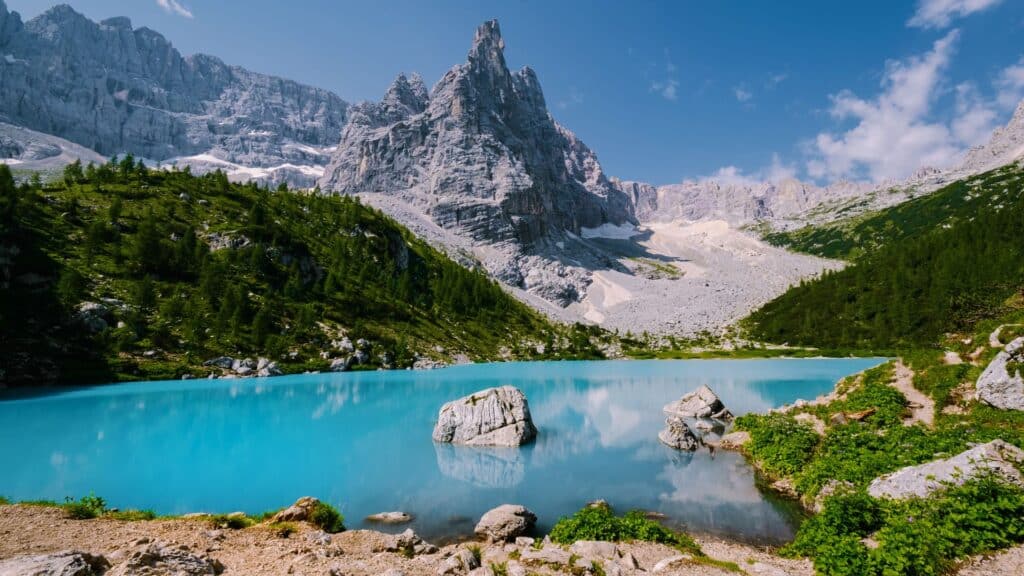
column 940, row 13
column 893, row 135
column 174, row 7
column 742, row 95
column 775, row 79
column 1010, row 85
column 732, row 175
column 975, row 118
column 668, row 88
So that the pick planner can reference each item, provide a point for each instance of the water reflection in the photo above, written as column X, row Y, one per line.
column 363, row 442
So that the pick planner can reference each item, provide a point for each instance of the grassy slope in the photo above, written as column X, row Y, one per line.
column 852, row 238
column 930, row 266
column 932, row 275
column 315, row 267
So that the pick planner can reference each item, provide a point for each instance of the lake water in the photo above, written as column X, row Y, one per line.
column 362, row 441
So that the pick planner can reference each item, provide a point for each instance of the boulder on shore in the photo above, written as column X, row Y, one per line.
column 67, row 563
column 678, row 435
column 505, row 523
column 1002, row 383
column 491, row 417
column 997, row 456
column 298, row 512
column 701, row 403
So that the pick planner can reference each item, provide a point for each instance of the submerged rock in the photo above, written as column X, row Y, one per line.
column 505, row 523
column 67, row 563
column 701, row 403
column 389, row 518
column 1002, row 383
column 491, row 417
column 997, row 456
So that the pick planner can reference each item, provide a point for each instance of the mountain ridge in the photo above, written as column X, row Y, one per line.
column 115, row 89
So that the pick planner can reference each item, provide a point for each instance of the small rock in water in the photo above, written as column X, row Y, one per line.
column 389, row 518
column 701, row 403
column 678, row 435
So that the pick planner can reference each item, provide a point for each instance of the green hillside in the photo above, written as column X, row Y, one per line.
column 854, row 237
column 934, row 265
column 185, row 268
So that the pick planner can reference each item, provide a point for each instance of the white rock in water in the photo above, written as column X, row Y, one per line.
column 997, row 386
column 701, row 403
column 491, row 417
column 678, row 435
column 996, row 456
column 390, row 517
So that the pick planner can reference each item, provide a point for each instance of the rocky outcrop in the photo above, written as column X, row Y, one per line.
column 154, row 558
column 505, row 523
column 702, row 403
column 245, row 367
column 113, row 88
column 480, row 155
column 68, row 563
column 996, row 457
column 298, row 512
column 1002, row 383
column 678, row 435
column 491, row 417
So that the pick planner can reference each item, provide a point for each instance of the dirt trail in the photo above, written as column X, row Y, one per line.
column 921, row 405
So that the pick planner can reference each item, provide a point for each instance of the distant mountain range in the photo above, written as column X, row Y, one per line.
column 476, row 165
column 114, row 89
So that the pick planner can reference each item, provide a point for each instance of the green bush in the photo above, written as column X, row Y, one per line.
column 283, row 529
column 86, row 508
column 917, row 537
column 601, row 523
column 327, row 518
column 780, row 444
column 132, row 515
column 231, row 521
column 4, row 501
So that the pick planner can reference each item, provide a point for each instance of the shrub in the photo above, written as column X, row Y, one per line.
column 4, row 501
column 778, row 442
column 85, row 508
column 917, row 537
column 601, row 523
column 501, row 569
column 231, row 521
column 132, row 515
column 327, row 518
column 283, row 529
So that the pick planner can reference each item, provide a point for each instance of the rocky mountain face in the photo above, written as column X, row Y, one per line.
column 115, row 89
column 482, row 157
column 791, row 203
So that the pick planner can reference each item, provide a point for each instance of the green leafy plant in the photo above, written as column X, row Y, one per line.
column 601, row 523
column 477, row 553
column 327, row 518
column 85, row 508
column 283, row 529
column 499, row 568
column 231, row 521
column 131, row 515
column 780, row 444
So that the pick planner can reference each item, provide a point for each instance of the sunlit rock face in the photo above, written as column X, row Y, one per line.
column 115, row 89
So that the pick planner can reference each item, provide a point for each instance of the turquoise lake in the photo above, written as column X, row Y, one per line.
column 362, row 441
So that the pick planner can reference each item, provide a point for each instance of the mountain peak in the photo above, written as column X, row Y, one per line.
column 488, row 46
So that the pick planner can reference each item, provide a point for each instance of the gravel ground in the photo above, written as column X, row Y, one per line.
column 31, row 530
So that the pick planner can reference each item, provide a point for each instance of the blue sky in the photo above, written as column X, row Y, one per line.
column 663, row 90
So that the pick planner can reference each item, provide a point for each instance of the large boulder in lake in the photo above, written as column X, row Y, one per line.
column 702, row 403
column 1002, row 383
column 67, row 563
column 996, row 457
column 491, row 417
column 678, row 435
column 505, row 523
